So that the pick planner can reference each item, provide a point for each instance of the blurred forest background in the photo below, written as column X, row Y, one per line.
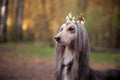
column 27, row 29
column 39, row 20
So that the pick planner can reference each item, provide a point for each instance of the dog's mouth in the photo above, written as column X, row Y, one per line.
column 59, row 41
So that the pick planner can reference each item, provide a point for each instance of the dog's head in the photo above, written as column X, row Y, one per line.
column 66, row 34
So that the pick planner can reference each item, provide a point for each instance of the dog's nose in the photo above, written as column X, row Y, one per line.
column 57, row 38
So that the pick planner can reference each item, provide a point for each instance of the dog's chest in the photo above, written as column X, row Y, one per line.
column 67, row 62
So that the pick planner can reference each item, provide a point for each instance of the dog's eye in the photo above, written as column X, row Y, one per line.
column 71, row 29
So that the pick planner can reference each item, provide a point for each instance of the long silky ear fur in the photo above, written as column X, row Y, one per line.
column 59, row 60
column 80, row 68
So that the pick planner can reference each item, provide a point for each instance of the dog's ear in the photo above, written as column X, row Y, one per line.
column 59, row 59
column 82, row 41
column 81, row 48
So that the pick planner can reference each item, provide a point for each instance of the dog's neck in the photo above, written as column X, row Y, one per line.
column 67, row 62
column 68, row 55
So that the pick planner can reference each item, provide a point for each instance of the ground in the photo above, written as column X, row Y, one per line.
column 24, row 68
column 28, row 67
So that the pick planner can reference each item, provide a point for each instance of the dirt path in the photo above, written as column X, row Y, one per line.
column 24, row 68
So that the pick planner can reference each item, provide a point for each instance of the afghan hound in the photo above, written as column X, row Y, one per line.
column 72, row 55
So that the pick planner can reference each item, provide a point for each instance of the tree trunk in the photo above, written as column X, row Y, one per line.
column 118, row 38
column 0, row 18
column 3, row 26
column 0, row 9
column 19, row 18
column 117, row 45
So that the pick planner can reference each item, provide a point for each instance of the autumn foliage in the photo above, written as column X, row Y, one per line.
column 41, row 19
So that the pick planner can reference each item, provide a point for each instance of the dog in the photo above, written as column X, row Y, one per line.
column 72, row 55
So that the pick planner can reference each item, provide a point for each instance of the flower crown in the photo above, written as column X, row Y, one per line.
column 79, row 19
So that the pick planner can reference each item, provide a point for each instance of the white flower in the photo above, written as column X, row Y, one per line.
column 69, row 17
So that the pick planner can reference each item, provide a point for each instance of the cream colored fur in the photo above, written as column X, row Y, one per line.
column 68, row 57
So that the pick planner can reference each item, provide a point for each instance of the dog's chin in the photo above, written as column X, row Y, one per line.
column 63, row 43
